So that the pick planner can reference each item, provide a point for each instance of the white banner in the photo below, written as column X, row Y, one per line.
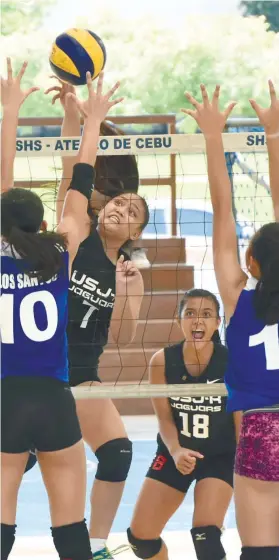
column 145, row 144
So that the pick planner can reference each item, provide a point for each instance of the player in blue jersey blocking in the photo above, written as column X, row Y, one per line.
column 252, row 315
column 38, row 409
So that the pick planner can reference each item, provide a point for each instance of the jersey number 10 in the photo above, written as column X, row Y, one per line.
column 26, row 316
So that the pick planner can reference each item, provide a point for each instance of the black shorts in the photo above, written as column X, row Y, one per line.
column 164, row 470
column 38, row 413
column 78, row 375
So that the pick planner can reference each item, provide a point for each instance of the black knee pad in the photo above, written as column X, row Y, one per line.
column 144, row 548
column 72, row 541
column 260, row 553
column 115, row 459
column 207, row 543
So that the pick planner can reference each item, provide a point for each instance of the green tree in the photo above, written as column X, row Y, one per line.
column 23, row 15
column 269, row 9
column 156, row 62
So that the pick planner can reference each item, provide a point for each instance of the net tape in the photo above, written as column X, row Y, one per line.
column 144, row 144
column 145, row 390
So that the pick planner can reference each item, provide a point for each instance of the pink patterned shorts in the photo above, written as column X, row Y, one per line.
column 257, row 454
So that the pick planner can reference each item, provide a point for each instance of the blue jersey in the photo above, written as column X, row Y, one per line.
column 252, row 376
column 33, row 321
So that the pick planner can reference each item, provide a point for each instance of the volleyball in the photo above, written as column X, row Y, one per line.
column 76, row 52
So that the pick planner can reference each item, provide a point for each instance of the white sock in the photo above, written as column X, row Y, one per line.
column 97, row 544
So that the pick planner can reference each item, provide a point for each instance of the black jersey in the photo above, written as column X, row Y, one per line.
column 91, row 301
column 202, row 422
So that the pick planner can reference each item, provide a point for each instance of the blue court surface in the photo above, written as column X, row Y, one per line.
column 33, row 519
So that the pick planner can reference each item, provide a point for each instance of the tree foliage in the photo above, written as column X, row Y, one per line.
column 22, row 15
column 156, row 62
column 268, row 9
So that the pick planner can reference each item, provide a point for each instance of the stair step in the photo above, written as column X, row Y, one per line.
column 169, row 250
column 168, row 276
column 161, row 305
column 126, row 364
column 154, row 331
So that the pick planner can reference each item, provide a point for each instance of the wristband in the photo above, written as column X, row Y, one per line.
column 83, row 179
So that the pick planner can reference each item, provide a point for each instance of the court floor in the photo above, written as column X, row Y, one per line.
column 33, row 522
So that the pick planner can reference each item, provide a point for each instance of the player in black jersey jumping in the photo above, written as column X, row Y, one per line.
column 196, row 440
column 105, row 296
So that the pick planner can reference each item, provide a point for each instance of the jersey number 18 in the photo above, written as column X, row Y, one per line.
column 200, row 425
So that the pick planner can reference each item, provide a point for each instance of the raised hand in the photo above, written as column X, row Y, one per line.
column 128, row 278
column 210, row 119
column 268, row 117
column 97, row 105
column 12, row 96
column 60, row 92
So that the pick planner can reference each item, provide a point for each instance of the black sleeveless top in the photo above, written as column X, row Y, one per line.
column 91, row 301
column 202, row 422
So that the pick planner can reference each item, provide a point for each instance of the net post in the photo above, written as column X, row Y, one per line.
column 172, row 130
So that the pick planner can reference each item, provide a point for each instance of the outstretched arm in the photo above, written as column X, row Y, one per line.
column 269, row 119
column 12, row 97
column 230, row 276
column 70, row 128
column 74, row 212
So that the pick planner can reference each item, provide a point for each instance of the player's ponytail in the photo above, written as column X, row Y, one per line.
column 265, row 250
column 22, row 216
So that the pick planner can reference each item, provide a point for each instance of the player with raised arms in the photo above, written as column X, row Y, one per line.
column 105, row 295
column 252, row 315
column 196, row 440
column 38, row 409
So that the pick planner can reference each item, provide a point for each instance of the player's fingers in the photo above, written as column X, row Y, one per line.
column 255, row 106
column 272, row 91
column 120, row 260
column 204, row 95
column 189, row 112
column 132, row 271
column 116, row 101
column 229, row 109
column 215, row 97
column 30, row 90
column 53, row 88
column 185, row 470
column 100, row 83
column 192, row 100
column 89, row 82
column 196, row 454
column 112, row 91
column 9, row 69
column 52, row 76
column 55, row 97
column 22, row 71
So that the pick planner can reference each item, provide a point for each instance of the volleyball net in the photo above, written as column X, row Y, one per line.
column 177, row 240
